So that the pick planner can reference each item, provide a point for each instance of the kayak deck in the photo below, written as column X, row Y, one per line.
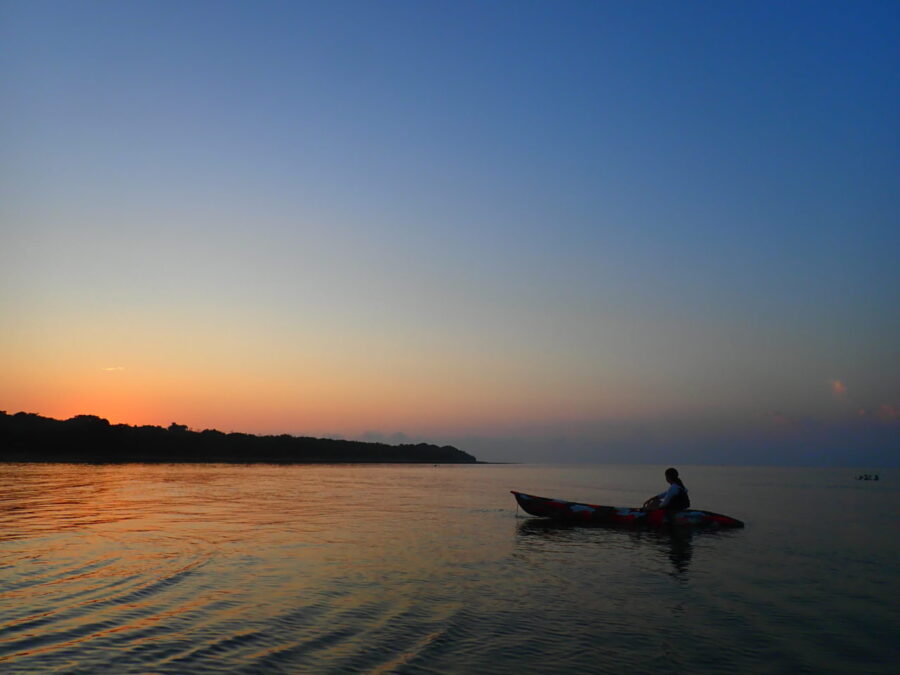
column 594, row 514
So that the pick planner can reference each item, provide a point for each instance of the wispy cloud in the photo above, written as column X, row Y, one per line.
column 885, row 412
column 781, row 419
column 113, row 369
column 838, row 388
column 889, row 411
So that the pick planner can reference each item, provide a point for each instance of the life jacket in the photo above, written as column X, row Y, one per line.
column 681, row 501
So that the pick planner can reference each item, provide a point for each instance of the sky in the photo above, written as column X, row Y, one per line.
column 574, row 231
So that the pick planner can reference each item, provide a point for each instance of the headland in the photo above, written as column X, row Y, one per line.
column 28, row 437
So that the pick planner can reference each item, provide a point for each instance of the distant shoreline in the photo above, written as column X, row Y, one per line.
column 88, row 439
column 6, row 458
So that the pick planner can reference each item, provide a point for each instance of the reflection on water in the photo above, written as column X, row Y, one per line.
column 211, row 568
column 673, row 546
column 193, row 567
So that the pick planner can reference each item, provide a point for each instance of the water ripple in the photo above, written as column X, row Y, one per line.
column 173, row 569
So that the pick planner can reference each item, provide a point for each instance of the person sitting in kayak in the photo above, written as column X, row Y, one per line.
column 672, row 500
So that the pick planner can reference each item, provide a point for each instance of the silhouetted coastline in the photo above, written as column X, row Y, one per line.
column 28, row 437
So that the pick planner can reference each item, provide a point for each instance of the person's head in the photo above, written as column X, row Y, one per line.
column 672, row 475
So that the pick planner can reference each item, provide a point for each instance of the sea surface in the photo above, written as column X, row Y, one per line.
column 430, row 569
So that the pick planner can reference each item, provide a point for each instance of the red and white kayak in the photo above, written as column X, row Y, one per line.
column 592, row 514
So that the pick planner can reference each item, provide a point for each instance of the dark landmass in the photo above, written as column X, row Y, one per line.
column 27, row 437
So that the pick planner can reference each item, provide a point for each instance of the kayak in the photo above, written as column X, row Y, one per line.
column 592, row 514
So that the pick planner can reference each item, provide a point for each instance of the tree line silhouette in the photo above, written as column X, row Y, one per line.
column 28, row 437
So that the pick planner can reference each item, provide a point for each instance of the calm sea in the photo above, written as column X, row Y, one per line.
column 430, row 569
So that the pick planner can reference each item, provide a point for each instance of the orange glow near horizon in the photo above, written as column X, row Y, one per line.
column 297, row 401
column 209, row 370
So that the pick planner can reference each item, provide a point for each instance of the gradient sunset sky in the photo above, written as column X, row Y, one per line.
column 605, row 231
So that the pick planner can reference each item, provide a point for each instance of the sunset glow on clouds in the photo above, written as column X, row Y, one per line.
column 502, row 227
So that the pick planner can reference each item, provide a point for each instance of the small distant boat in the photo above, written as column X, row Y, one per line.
column 612, row 516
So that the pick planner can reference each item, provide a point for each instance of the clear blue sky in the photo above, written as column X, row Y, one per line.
column 647, row 231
